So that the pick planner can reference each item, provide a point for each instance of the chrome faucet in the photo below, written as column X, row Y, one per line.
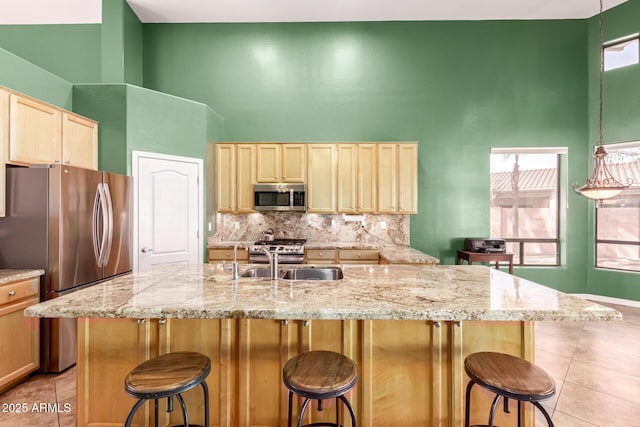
column 234, row 265
column 273, row 261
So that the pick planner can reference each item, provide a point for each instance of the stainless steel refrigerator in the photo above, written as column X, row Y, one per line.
column 75, row 224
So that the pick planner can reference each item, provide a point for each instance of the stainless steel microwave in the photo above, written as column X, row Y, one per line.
column 280, row 197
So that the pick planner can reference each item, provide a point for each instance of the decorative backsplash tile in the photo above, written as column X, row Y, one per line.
column 378, row 229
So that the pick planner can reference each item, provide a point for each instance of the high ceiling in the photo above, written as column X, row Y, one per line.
column 173, row 11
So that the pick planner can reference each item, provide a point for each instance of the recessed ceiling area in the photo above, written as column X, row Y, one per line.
column 184, row 11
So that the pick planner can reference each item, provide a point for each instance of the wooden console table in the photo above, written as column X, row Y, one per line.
column 496, row 258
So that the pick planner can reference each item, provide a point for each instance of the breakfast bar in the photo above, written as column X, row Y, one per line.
column 408, row 328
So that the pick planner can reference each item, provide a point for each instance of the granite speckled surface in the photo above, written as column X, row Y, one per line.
column 8, row 275
column 366, row 292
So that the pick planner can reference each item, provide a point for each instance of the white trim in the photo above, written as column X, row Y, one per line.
column 621, row 145
column 135, row 157
column 529, row 150
column 610, row 300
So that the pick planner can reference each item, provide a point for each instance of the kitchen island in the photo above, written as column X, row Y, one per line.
column 409, row 329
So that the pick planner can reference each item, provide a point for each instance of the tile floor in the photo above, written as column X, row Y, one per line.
column 596, row 366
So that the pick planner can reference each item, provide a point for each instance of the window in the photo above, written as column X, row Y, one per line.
column 618, row 218
column 621, row 52
column 525, row 203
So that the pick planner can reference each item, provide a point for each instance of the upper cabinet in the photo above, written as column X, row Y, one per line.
column 281, row 162
column 235, row 176
column 321, row 178
column 42, row 133
column 357, row 174
column 35, row 131
column 346, row 178
column 398, row 178
column 79, row 141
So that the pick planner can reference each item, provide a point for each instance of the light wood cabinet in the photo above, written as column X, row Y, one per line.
column 42, row 133
column 20, row 352
column 235, row 172
column 4, row 146
column 226, row 255
column 245, row 177
column 321, row 178
column 281, row 162
column 356, row 178
column 397, row 178
column 358, row 256
column 321, row 256
column 79, row 141
column 411, row 372
column 225, row 161
column 35, row 131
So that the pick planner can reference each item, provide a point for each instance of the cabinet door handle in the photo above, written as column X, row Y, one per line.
column 305, row 323
column 285, row 322
column 141, row 321
column 162, row 321
column 12, row 293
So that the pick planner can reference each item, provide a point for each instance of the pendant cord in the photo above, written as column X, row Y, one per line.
column 601, row 47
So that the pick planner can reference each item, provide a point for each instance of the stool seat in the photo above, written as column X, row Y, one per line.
column 510, row 376
column 167, row 374
column 320, row 374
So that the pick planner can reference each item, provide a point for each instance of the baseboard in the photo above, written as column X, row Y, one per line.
column 610, row 300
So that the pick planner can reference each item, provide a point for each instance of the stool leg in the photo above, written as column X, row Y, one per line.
column 302, row 409
column 290, row 408
column 519, row 413
column 467, row 403
column 155, row 412
column 205, row 389
column 348, row 405
column 133, row 410
column 185, row 417
column 544, row 412
column 494, row 406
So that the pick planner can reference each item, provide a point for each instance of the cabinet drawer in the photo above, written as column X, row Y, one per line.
column 226, row 254
column 358, row 255
column 320, row 256
column 18, row 290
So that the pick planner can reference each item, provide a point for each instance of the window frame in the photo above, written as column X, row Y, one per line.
column 619, row 41
column 521, row 242
column 611, row 148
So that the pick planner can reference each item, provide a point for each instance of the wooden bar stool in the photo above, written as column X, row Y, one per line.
column 319, row 375
column 168, row 375
column 509, row 377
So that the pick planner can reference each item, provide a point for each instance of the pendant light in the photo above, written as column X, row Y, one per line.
column 601, row 184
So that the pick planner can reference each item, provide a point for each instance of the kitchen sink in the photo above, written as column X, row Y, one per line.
column 259, row 272
column 300, row 273
column 313, row 273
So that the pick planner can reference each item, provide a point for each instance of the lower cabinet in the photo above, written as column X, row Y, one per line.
column 19, row 335
column 411, row 372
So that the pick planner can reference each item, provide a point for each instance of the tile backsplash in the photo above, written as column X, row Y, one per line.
column 378, row 229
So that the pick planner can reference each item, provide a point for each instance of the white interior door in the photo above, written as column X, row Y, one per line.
column 168, row 201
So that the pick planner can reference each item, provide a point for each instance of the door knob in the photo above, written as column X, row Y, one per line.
column 145, row 250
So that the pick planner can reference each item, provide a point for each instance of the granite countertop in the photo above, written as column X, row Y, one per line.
column 412, row 292
column 8, row 275
column 392, row 254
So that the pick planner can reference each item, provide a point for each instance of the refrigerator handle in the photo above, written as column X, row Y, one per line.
column 95, row 220
column 109, row 221
column 105, row 225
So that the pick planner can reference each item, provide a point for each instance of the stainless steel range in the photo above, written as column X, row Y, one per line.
column 290, row 251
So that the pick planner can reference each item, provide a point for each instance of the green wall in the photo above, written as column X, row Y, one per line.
column 72, row 52
column 24, row 77
column 458, row 88
column 621, row 109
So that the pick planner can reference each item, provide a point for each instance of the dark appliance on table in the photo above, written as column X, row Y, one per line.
column 485, row 245
column 76, row 225
column 290, row 251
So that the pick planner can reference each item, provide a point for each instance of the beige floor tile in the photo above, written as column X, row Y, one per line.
column 563, row 420
column 597, row 408
column 606, row 380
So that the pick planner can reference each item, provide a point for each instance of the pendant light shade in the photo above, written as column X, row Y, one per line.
column 601, row 184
